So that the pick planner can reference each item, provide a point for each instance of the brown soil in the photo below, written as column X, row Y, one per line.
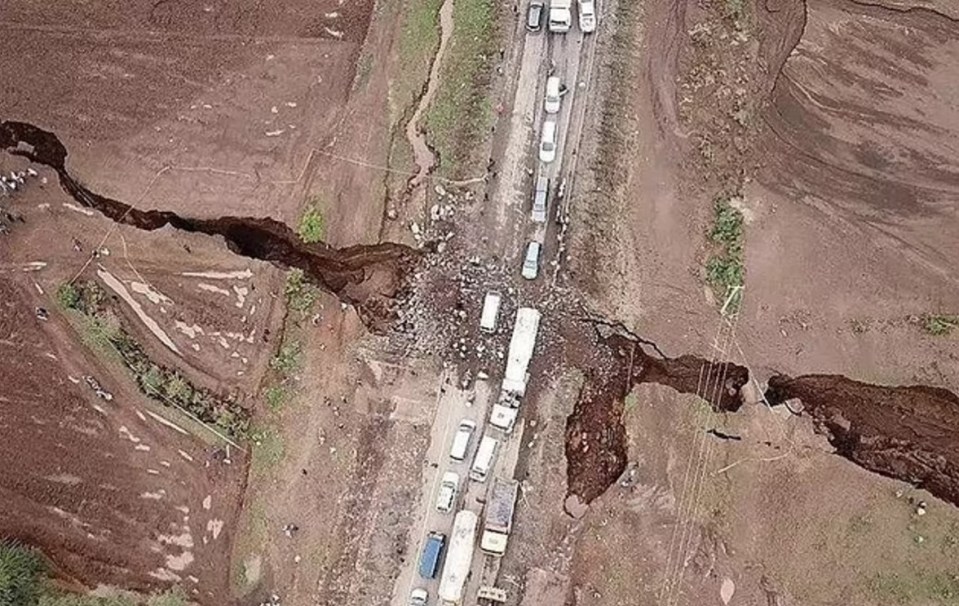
column 130, row 511
column 202, row 111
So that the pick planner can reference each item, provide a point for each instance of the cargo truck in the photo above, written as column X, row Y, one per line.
column 499, row 516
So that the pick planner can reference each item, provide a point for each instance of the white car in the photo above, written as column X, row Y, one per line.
column 449, row 486
column 587, row 16
column 540, row 199
column 531, row 261
column 547, row 142
column 419, row 597
column 554, row 95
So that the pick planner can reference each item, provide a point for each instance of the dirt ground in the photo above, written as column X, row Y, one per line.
column 242, row 110
column 207, row 110
column 843, row 150
column 145, row 504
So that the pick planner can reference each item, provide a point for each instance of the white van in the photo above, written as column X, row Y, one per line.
column 547, row 142
column 462, row 439
column 553, row 95
column 490, row 312
column 483, row 461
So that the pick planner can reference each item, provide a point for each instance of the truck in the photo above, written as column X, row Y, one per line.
column 521, row 346
column 560, row 16
column 499, row 516
column 459, row 557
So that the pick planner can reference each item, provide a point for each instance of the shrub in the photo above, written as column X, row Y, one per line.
column 21, row 574
column 300, row 294
column 312, row 225
column 287, row 360
column 724, row 267
column 276, row 397
column 68, row 297
column 939, row 324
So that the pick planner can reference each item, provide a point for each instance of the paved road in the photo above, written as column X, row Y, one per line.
column 512, row 198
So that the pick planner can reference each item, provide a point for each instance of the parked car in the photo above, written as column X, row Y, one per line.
column 540, row 199
column 587, row 16
column 531, row 261
column 554, row 95
column 547, row 143
column 449, row 486
column 534, row 15
column 462, row 439
column 432, row 554
column 419, row 597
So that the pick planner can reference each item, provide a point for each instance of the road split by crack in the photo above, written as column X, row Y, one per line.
column 367, row 276
column 904, row 432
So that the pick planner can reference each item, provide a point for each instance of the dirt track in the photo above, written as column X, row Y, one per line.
column 870, row 132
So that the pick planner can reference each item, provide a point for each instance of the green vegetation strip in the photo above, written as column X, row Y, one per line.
column 459, row 116
column 725, row 270
column 101, row 330
column 419, row 40
column 24, row 582
column 919, row 588
column 940, row 324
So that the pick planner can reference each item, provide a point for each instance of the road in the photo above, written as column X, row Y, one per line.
column 509, row 203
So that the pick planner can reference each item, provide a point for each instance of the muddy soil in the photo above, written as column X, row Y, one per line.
column 416, row 135
column 367, row 276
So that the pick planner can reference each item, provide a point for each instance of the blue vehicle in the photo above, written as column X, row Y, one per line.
column 432, row 554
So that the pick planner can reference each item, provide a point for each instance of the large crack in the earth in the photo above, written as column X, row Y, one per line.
column 367, row 276
column 907, row 432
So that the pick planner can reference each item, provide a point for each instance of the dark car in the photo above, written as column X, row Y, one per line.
column 534, row 15
column 432, row 554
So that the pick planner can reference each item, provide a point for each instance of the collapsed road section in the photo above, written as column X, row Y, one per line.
column 902, row 432
column 368, row 276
